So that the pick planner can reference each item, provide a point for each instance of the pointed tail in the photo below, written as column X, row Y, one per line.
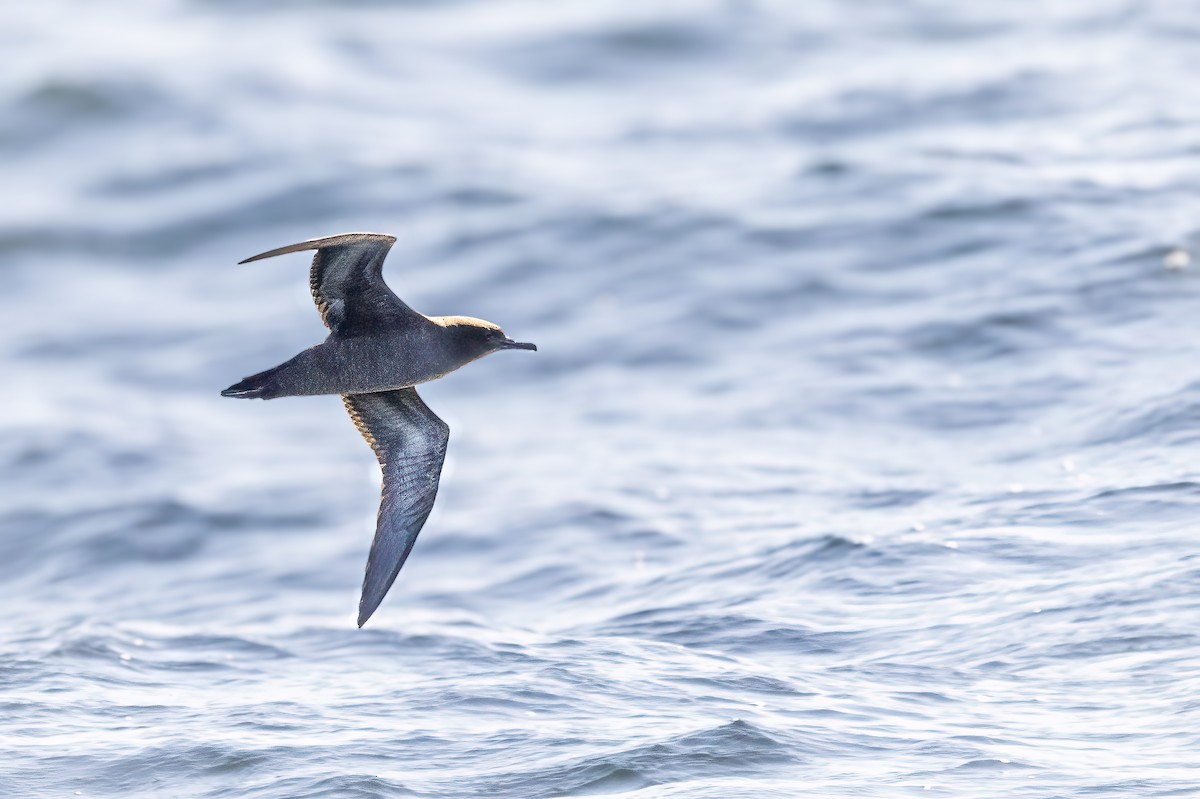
column 260, row 386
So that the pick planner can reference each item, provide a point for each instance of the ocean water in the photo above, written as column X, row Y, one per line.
column 860, row 458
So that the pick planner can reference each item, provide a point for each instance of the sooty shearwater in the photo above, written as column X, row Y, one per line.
column 378, row 349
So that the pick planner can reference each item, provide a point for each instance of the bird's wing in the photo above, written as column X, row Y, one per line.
column 347, row 283
column 410, row 442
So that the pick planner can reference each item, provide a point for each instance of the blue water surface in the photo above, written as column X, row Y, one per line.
column 859, row 458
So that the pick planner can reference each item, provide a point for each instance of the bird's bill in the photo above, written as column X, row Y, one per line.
column 509, row 344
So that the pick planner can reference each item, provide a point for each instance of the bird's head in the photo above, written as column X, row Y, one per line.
column 475, row 338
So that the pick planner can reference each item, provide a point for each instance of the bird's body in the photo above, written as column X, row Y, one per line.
column 361, row 364
column 378, row 349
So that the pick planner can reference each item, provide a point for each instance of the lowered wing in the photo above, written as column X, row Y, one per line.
column 410, row 442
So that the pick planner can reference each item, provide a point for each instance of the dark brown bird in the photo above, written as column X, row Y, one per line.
column 378, row 349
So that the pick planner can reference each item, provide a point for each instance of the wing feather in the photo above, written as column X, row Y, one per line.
column 347, row 282
column 410, row 442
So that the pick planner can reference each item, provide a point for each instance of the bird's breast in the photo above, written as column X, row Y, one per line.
column 366, row 364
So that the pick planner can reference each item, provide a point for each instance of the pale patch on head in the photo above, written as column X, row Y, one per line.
column 465, row 321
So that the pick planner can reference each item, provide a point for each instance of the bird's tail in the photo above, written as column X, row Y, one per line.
column 260, row 386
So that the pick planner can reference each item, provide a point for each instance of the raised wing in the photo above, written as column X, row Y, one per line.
column 410, row 442
column 347, row 283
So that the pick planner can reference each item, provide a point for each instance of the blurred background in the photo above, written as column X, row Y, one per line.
column 858, row 458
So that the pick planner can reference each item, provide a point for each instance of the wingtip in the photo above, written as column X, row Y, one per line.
column 385, row 239
column 368, row 603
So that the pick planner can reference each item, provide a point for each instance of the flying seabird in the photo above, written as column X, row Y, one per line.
column 377, row 351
